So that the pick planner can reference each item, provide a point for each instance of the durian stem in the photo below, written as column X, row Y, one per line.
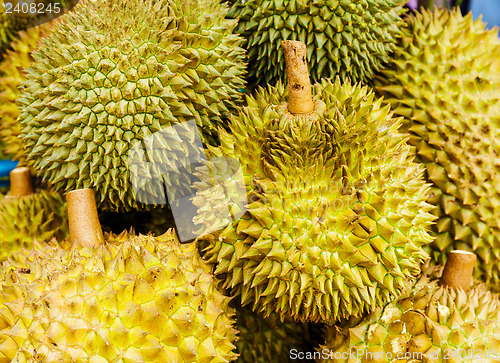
column 299, row 85
column 84, row 226
column 20, row 182
column 458, row 269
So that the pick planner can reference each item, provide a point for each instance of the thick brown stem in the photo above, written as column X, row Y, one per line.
column 458, row 269
column 299, row 85
column 84, row 226
column 20, row 182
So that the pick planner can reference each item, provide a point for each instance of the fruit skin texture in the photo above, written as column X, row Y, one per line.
column 41, row 216
column 430, row 319
column 349, row 39
column 337, row 216
column 11, row 76
column 136, row 298
column 102, row 83
column 7, row 31
column 264, row 340
column 445, row 80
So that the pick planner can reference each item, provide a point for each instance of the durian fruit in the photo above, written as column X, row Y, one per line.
column 445, row 80
column 345, row 38
column 125, row 298
column 337, row 217
column 7, row 30
column 11, row 76
column 26, row 214
column 264, row 340
column 431, row 322
column 112, row 74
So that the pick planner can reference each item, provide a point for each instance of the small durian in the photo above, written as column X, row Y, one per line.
column 11, row 76
column 444, row 78
column 431, row 322
column 111, row 298
column 337, row 217
column 27, row 215
column 114, row 73
column 345, row 38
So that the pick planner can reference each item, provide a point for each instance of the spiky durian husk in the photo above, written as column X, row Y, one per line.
column 41, row 216
column 426, row 324
column 351, row 39
column 11, row 76
column 115, row 72
column 445, row 80
column 7, row 31
column 337, row 216
column 264, row 340
column 135, row 298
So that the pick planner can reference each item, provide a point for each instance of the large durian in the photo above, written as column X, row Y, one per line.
column 11, row 76
column 337, row 216
column 445, row 80
column 431, row 322
column 125, row 299
column 345, row 38
column 112, row 74
column 27, row 215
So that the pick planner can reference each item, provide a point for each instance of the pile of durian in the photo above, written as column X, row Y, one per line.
column 343, row 184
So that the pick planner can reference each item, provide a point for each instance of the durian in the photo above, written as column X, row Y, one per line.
column 124, row 299
column 29, row 215
column 345, row 38
column 429, row 323
column 11, row 76
column 444, row 79
column 112, row 74
column 264, row 340
column 337, row 217
column 7, row 30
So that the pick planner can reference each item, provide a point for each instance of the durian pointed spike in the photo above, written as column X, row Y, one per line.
column 20, row 182
column 84, row 226
column 299, row 85
column 458, row 269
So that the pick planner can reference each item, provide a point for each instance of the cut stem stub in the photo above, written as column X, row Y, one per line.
column 458, row 269
column 299, row 85
column 20, row 182
column 84, row 226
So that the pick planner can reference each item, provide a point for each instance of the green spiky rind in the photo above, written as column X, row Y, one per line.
column 337, row 216
column 445, row 80
column 41, row 216
column 264, row 340
column 350, row 39
column 433, row 320
column 7, row 31
column 11, row 76
column 101, row 84
column 135, row 298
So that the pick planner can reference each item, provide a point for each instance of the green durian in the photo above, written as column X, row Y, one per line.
column 428, row 323
column 444, row 79
column 345, row 38
column 7, row 30
column 130, row 299
column 264, row 340
column 11, row 76
column 41, row 216
column 112, row 74
column 337, row 217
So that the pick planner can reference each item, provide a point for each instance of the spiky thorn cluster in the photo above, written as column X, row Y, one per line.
column 11, row 76
column 112, row 74
column 428, row 323
column 444, row 79
column 349, row 39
